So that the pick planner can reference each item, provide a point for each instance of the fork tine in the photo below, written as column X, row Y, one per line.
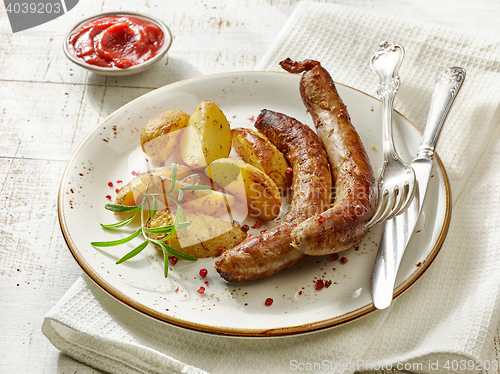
column 389, row 207
column 408, row 200
column 380, row 208
column 402, row 199
column 393, row 204
column 385, row 207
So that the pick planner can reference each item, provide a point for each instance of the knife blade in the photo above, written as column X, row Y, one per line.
column 398, row 231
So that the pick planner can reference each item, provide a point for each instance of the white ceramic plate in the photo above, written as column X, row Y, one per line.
column 112, row 151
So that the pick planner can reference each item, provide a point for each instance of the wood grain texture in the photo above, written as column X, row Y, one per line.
column 48, row 106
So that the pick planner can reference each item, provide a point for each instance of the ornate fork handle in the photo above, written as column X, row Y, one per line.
column 389, row 84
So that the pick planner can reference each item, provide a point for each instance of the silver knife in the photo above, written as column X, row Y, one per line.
column 397, row 231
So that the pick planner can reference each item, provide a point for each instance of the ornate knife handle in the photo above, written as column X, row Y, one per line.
column 447, row 86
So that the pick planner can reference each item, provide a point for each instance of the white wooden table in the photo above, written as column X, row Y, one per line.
column 48, row 105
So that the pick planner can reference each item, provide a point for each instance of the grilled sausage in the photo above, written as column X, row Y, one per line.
column 269, row 252
column 312, row 179
column 344, row 224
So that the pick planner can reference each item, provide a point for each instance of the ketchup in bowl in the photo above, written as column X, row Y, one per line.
column 116, row 41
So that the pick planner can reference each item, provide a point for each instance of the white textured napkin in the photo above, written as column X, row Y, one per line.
column 447, row 318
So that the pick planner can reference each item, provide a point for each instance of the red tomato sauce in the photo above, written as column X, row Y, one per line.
column 116, row 41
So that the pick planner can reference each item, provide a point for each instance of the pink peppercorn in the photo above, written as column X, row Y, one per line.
column 257, row 225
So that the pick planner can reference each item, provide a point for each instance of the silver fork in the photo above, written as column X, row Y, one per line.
column 396, row 185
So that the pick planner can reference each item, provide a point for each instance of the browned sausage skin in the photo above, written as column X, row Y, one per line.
column 270, row 252
column 344, row 224
column 312, row 179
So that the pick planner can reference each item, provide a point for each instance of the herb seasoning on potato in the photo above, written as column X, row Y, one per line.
column 207, row 136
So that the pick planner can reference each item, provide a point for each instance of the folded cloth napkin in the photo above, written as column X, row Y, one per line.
column 444, row 323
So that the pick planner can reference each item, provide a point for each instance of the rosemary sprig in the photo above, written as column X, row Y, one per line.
column 150, row 205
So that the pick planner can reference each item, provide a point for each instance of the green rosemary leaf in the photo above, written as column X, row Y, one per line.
column 148, row 203
column 183, row 215
column 181, row 225
column 133, row 252
column 117, row 208
column 178, row 216
column 182, row 219
column 180, row 195
column 173, row 167
column 170, row 233
column 155, row 208
column 165, row 260
column 159, row 230
column 195, row 187
column 166, row 229
column 122, row 223
column 112, row 243
column 175, row 252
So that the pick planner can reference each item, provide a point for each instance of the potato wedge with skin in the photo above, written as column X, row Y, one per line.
column 205, row 236
column 247, row 183
column 130, row 194
column 158, row 181
column 161, row 134
column 206, row 201
column 207, row 136
column 256, row 150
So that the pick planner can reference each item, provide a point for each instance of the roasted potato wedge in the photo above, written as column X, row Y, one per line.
column 206, row 236
column 247, row 183
column 158, row 181
column 208, row 202
column 161, row 134
column 207, row 136
column 130, row 194
column 256, row 150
